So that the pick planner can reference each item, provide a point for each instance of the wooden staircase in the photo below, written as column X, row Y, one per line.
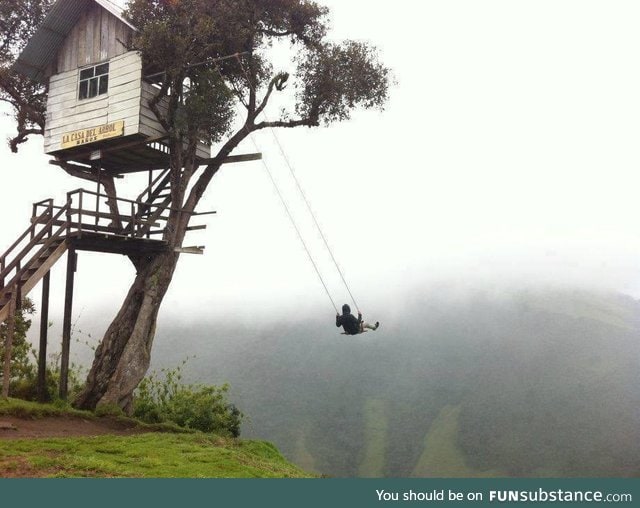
column 154, row 200
column 86, row 222
column 81, row 225
column 32, row 255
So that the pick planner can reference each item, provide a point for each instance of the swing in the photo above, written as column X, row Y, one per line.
column 309, row 209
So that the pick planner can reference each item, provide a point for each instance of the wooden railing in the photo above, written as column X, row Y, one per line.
column 157, row 185
column 87, row 212
column 41, row 236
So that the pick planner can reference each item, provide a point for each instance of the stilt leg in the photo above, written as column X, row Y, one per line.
column 44, row 330
column 66, row 324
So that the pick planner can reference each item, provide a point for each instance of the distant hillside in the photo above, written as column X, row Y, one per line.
column 538, row 383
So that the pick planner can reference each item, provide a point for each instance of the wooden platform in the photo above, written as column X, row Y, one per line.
column 120, row 156
column 114, row 244
column 134, row 154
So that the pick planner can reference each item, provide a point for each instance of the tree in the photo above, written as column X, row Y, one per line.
column 212, row 57
column 18, row 21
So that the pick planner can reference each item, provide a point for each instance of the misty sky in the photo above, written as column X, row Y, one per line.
column 508, row 154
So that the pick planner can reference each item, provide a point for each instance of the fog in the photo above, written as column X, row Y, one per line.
column 459, row 383
column 487, row 218
column 507, row 157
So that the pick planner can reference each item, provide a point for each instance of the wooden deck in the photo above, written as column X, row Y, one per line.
column 84, row 223
column 114, row 244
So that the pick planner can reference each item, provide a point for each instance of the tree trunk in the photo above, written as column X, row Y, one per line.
column 123, row 356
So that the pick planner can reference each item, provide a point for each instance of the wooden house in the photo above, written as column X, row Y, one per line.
column 97, row 109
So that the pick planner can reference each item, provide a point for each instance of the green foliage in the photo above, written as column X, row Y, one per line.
column 198, row 407
column 18, row 21
column 177, row 39
column 337, row 78
column 24, row 369
column 207, row 106
column 25, row 386
column 21, row 365
column 108, row 410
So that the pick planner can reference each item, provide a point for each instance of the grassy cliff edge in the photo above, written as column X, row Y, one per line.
column 146, row 453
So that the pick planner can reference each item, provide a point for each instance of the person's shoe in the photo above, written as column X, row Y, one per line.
column 377, row 325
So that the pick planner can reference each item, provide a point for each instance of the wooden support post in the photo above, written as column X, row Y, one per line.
column 149, row 200
column 97, row 168
column 150, row 185
column 66, row 323
column 44, row 330
column 8, row 348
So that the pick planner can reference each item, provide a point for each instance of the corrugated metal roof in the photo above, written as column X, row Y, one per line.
column 49, row 38
column 115, row 10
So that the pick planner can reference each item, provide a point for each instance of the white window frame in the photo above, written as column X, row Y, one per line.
column 94, row 84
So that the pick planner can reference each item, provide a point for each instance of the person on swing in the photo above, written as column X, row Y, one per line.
column 350, row 324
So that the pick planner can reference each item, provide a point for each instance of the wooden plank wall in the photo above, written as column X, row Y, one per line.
column 149, row 124
column 97, row 37
column 65, row 113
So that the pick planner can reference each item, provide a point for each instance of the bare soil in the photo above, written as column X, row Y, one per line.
column 64, row 426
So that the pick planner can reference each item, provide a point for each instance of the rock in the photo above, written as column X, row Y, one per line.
column 7, row 426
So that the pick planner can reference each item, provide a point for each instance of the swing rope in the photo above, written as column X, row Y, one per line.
column 286, row 207
column 313, row 215
column 294, row 224
column 304, row 197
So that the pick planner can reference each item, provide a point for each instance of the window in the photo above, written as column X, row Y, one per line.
column 94, row 81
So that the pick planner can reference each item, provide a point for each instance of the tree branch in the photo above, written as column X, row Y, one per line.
column 22, row 136
column 252, row 90
column 107, row 182
column 306, row 122
column 277, row 82
column 275, row 33
column 238, row 93
column 109, row 185
column 153, row 105
column 205, row 178
column 75, row 170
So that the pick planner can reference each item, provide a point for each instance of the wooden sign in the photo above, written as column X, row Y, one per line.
column 84, row 136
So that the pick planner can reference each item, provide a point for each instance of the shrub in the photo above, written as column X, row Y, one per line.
column 21, row 365
column 25, row 386
column 108, row 410
column 197, row 407
column 24, row 362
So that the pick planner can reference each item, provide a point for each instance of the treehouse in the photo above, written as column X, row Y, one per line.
column 98, row 111
column 99, row 125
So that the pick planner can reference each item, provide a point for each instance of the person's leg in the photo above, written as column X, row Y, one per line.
column 369, row 326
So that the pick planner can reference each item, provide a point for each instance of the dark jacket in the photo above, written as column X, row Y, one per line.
column 349, row 323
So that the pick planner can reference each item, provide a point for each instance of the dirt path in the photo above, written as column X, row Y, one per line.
column 64, row 426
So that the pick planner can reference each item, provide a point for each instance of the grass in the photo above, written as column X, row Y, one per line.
column 375, row 438
column 149, row 455
column 442, row 457
column 171, row 453
column 33, row 410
